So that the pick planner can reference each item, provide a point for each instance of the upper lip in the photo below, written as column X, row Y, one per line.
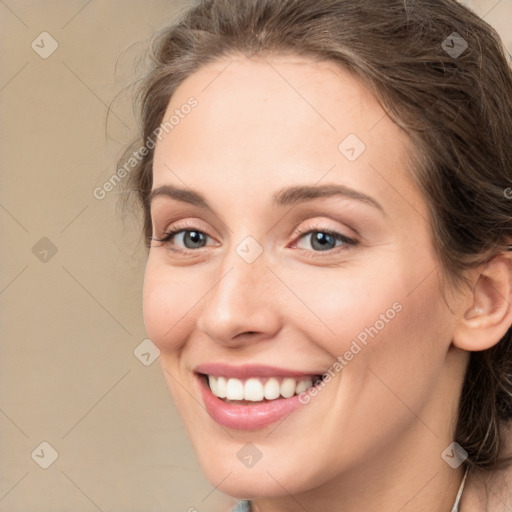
column 249, row 370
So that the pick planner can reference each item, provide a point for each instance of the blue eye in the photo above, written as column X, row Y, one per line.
column 321, row 240
column 325, row 239
column 192, row 236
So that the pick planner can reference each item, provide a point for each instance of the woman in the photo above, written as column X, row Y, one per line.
column 324, row 190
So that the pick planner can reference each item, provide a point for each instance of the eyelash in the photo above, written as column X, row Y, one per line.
column 168, row 235
column 346, row 241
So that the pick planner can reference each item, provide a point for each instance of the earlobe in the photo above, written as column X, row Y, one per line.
column 489, row 316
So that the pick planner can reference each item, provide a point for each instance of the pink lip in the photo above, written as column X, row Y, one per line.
column 246, row 371
column 245, row 417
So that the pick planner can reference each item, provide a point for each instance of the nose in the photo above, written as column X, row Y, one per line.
column 241, row 307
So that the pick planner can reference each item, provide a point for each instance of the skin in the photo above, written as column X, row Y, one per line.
column 372, row 438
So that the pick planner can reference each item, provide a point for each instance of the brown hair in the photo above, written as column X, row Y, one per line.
column 456, row 109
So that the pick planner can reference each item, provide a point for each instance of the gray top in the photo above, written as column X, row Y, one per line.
column 242, row 506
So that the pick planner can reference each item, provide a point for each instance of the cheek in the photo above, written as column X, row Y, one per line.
column 398, row 351
column 375, row 317
column 337, row 306
column 168, row 303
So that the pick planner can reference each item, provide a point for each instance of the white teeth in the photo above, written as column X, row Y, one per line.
column 212, row 382
column 253, row 390
column 303, row 385
column 288, row 387
column 256, row 389
column 272, row 389
column 221, row 387
column 235, row 389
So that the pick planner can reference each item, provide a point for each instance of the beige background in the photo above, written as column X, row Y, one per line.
column 72, row 320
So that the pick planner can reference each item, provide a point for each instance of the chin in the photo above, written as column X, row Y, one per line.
column 250, row 485
column 263, row 480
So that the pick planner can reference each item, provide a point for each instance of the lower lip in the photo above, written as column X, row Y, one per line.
column 246, row 417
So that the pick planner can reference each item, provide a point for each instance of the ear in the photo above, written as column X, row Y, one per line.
column 489, row 315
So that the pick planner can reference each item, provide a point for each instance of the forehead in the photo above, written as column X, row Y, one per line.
column 270, row 121
column 296, row 99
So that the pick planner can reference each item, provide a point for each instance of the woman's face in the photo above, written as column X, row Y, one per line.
column 266, row 281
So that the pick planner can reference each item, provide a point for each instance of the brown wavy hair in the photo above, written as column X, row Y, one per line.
column 456, row 109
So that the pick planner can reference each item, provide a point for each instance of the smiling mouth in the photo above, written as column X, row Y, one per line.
column 255, row 390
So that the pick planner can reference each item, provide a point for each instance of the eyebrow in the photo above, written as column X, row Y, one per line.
column 285, row 197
